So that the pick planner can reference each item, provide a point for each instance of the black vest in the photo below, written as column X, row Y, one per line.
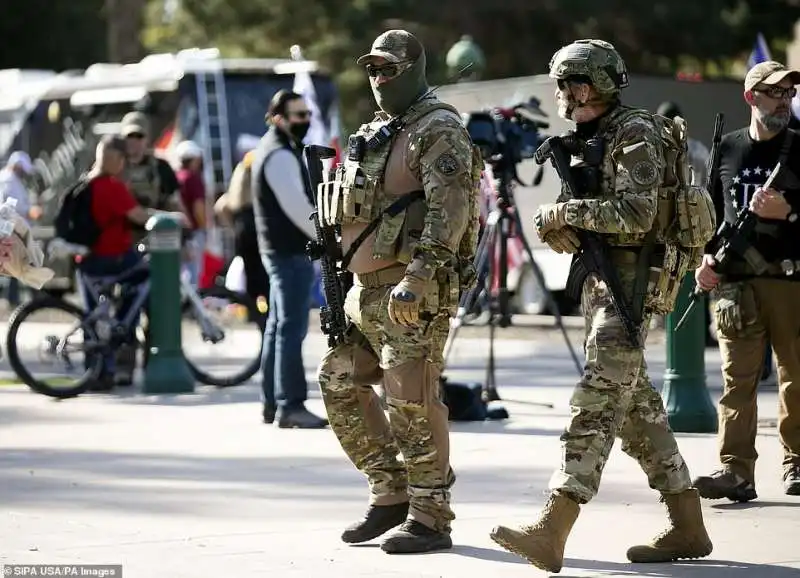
column 276, row 232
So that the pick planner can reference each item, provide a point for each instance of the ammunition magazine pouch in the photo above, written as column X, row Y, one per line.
column 391, row 211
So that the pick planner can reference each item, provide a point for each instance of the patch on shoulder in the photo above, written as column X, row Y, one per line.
column 644, row 173
column 446, row 164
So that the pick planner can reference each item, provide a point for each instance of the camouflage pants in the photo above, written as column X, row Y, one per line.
column 408, row 362
column 615, row 398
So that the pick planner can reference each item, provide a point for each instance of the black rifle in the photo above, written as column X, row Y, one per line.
column 592, row 256
column 735, row 240
column 328, row 249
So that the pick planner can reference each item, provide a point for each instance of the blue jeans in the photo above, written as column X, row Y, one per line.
column 291, row 279
column 97, row 266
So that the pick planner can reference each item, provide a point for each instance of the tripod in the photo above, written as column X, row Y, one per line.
column 497, row 232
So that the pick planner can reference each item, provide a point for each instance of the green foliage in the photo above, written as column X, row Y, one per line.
column 37, row 33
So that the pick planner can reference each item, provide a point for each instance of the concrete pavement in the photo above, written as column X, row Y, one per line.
column 195, row 486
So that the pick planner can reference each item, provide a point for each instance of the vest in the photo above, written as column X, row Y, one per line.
column 276, row 232
column 144, row 182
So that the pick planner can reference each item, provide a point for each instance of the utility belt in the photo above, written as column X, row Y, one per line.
column 389, row 276
column 786, row 267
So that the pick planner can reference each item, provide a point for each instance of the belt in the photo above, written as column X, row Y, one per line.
column 388, row 276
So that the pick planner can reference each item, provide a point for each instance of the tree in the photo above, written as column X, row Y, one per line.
column 52, row 35
column 125, row 21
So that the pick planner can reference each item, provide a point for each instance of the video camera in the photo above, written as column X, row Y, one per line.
column 507, row 136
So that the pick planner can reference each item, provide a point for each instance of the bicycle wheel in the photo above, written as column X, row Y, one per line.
column 54, row 332
column 227, row 319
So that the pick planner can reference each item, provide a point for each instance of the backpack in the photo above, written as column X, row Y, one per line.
column 686, row 217
column 74, row 222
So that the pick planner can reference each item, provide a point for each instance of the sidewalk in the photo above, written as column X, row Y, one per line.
column 195, row 486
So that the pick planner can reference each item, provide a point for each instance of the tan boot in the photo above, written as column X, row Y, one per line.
column 543, row 543
column 686, row 536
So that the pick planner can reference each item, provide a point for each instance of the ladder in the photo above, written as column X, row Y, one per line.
column 212, row 109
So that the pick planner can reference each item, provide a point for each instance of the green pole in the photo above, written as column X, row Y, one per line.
column 686, row 398
column 166, row 371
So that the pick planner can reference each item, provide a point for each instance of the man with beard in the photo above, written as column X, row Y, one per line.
column 627, row 204
column 751, row 306
column 408, row 273
column 282, row 207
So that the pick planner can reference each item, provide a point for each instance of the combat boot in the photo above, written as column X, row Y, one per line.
column 414, row 537
column 542, row 544
column 686, row 536
column 724, row 483
column 377, row 521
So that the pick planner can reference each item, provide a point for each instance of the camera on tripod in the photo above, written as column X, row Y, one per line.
column 507, row 136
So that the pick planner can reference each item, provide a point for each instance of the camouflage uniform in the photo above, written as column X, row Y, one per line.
column 614, row 396
column 417, row 253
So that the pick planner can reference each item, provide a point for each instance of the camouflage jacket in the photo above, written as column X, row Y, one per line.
column 632, row 167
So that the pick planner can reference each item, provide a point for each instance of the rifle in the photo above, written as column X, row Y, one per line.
column 327, row 249
column 592, row 254
column 734, row 240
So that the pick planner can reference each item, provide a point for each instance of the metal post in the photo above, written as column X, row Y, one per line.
column 166, row 371
column 686, row 398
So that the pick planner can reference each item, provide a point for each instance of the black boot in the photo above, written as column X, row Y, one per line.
column 415, row 537
column 377, row 521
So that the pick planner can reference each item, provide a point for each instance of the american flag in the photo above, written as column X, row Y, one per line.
column 760, row 52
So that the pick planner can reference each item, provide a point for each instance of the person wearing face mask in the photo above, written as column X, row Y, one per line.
column 282, row 209
column 614, row 397
column 408, row 273
column 752, row 306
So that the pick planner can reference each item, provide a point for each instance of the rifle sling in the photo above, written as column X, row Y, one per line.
column 395, row 208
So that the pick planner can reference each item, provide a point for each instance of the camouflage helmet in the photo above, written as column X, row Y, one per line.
column 596, row 59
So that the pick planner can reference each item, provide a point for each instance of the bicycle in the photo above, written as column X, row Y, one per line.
column 102, row 334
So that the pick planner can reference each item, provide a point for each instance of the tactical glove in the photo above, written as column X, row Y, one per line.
column 405, row 299
column 563, row 241
column 550, row 217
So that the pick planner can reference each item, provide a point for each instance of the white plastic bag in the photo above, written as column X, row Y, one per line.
column 235, row 279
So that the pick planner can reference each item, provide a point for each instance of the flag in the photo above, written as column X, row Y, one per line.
column 318, row 132
column 760, row 52
column 304, row 86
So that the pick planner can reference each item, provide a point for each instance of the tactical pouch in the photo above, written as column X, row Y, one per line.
column 695, row 217
column 409, row 234
column 358, row 194
column 730, row 312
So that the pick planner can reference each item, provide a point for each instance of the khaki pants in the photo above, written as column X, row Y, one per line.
column 408, row 362
column 763, row 306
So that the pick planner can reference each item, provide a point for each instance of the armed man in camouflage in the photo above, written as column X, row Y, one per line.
column 407, row 277
column 631, row 210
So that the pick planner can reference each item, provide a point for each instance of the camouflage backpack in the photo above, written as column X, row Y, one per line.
column 686, row 218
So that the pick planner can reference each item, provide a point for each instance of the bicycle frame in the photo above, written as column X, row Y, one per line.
column 100, row 286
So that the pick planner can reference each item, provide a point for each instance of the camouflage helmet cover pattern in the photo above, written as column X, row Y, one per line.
column 596, row 59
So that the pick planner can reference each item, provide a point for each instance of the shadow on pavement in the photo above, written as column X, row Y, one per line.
column 708, row 568
column 755, row 505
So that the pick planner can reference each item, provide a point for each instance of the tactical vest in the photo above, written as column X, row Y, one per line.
column 144, row 181
column 685, row 217
column 357, row 195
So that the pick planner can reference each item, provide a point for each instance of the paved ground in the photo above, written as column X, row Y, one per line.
column 194, row 486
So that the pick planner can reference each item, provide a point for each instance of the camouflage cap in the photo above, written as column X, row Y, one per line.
column 395, row 46
column 134, row 122
column 769, row 72
column 596, row 59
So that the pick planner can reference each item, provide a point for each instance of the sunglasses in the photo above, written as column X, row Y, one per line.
column 776, row 92
column 388, row 70
column 136, row 135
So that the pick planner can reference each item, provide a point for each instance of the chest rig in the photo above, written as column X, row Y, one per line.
column 144, row 182
column 356, row 193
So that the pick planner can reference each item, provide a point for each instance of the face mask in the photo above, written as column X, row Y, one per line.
column 396, row 95
column 299, row 130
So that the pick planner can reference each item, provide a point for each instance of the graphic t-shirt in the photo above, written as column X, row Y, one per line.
column 745, row 165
